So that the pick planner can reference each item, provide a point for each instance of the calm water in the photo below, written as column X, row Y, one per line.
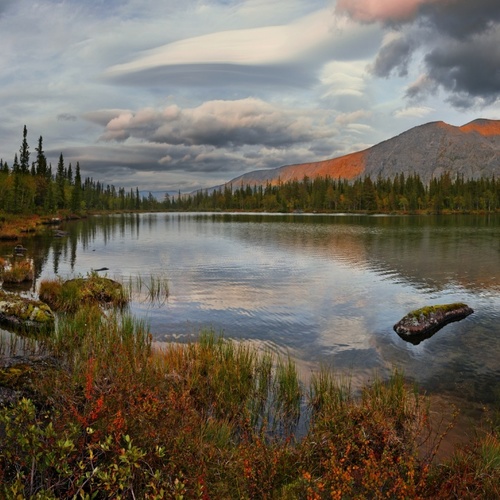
column 326, row 289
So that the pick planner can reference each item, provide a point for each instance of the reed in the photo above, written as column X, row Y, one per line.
column 154, row 288
column 329, row 393
column 287, row 396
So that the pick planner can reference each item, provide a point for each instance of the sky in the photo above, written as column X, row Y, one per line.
column 171, row 95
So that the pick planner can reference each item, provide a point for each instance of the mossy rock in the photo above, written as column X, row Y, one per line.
column 24, row 314
column 422, row 323
column 70, row 295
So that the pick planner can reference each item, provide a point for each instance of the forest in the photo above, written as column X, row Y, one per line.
column 35, row 188
column 325, row 194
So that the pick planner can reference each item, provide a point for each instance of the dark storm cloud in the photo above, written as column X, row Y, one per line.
column 461, row 18
column 461, row 39
column 468, row 68
column 464, row 56
column 394, row 55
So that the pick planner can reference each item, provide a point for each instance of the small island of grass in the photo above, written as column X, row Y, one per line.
column 90, row 290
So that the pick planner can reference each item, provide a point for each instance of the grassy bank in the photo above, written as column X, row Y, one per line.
column 110, row 417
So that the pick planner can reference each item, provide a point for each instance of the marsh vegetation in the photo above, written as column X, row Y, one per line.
column 114, row 417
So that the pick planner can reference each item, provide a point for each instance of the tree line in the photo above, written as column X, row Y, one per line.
column 408, row 194
column 34, row 187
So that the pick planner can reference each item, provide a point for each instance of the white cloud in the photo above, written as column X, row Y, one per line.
column 413, row 112
column 255, row 46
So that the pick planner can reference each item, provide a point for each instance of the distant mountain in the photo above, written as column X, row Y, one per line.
column 429, row 150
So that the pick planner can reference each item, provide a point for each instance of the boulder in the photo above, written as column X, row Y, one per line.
column 423, row 323
column 23, row 314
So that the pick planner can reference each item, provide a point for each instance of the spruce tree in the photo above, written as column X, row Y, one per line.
column 41, row 161
column 76, row 194
column 60, row 181
column 69, row 174
column 24, row 154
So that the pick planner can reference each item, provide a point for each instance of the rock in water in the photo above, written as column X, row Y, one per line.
column 423, row 323
column 24, row 314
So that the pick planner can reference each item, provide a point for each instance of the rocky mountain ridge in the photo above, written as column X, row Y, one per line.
column 472, row 150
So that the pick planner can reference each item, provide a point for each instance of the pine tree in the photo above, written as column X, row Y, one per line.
column 69, row 174
column 41, row 161
column 60, row 181
column 76, row 194
column 24, row 154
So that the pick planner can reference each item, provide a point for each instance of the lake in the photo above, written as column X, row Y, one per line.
column 326, row 289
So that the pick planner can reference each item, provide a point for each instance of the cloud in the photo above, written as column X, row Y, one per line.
column 217, row 123
column 259, row 47
column 468, row 68
column 461, row 19
column 395, row 54
column 459, row 41
column 4, row 6
column 349, row 118
column 286, row 55
column 67, row 117
column 413, row 112
column 422, row 86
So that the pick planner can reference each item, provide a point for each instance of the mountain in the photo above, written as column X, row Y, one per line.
column 429, row 150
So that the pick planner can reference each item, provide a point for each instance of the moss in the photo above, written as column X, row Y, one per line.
column 428, row 311
column 42, row 314
column 15, row 377
column 20, row 312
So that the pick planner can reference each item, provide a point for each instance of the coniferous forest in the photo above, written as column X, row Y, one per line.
column 400, row 194
column 31, row 185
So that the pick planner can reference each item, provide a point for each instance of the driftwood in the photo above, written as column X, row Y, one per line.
column 423, row 323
